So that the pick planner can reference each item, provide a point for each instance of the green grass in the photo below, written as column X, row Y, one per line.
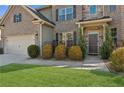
column 33, row 75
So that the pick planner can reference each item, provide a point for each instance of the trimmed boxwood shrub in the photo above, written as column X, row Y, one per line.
column 117, row 59
column 47, row 51
column 75, row 53
column 60, row 52
column 33, row 51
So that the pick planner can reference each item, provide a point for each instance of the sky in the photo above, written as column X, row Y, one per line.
column 3, row 8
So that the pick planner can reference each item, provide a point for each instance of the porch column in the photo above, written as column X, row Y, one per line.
column 78, row 34
column 104, row 31
column 82, row 30
column 41, row 37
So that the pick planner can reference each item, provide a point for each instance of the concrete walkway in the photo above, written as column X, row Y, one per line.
column 90, row 63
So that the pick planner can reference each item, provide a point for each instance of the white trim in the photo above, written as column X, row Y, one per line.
column 95, row 21
column 90, row 15
column 41, row 37
column 94, row 32
column 65, row 14
column 65, row 35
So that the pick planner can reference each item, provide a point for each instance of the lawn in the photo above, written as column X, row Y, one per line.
column 34, row 75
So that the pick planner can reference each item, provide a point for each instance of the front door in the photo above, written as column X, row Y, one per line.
column 93, row 43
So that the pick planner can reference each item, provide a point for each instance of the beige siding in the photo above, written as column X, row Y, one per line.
column 47, row 34
column 47, row 12
column 86, row 13
column 122, row 22
column 66, row 25
column 117, row 17
column 23, row 27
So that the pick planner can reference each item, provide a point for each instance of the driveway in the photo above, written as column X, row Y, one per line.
column 90, row 63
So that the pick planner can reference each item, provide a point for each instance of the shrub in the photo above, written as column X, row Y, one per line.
column 105, row 51
column 33, row 51
column 60, row 52
column 82, row 43
column 106, row 48
column 1, row 50
column 117, row 59
column 47, row 51
column 75, row 53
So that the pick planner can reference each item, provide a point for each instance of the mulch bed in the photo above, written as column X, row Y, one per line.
column 111, row 69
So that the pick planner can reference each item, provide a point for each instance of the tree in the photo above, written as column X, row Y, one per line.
column 107, row 46
column 82, row 43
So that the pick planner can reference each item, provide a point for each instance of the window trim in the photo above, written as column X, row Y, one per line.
column 111, row 8
column 65, row 13
column 17, row 18
column 61, row 39
column 89, row 10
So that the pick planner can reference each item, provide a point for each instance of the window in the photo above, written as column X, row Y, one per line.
column 66, row 38
column 65, row 14
column 114, row 35
column 93, row 9
column 69, row 13
column 17, row 18
column 112, row 8
column 61, row 14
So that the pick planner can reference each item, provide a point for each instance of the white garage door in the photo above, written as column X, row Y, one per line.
column 18, row 44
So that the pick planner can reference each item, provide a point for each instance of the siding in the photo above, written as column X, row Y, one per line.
column 24, row 27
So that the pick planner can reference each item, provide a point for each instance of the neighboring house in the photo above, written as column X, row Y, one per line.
column 22, row 26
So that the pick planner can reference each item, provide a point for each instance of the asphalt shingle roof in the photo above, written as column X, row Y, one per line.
column 40, row 15
column 104, row 17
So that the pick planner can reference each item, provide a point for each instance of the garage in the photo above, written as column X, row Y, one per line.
column 18, row 44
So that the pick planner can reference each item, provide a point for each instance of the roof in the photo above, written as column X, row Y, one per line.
column 103, row 17
column 43, row 7
column 40, row 15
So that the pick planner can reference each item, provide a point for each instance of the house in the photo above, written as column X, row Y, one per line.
column 22, row 26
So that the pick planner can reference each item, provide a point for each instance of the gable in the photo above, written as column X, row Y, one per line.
column 15, row 10
column 24, row 27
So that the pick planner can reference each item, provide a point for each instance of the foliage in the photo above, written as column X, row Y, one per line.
column 117, row 59
column 106, row 48
column 47, row 51
column 82, row 43
column 60, row 52
column 33, row 51
column 75, row 53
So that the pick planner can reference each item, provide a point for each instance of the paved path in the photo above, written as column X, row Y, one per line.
column 90, row 63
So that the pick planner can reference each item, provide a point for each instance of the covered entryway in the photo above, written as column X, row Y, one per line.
column 94, row 31
column 93, row 43
column 18, row 44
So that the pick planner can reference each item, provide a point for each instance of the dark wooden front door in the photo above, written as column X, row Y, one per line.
column 93, row 43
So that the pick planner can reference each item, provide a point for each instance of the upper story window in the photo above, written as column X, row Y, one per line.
column 65, row 14
column 17, row 18
column 112, row 8
column 93, row 9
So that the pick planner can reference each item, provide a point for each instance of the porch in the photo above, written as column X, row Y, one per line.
column 94, row 31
